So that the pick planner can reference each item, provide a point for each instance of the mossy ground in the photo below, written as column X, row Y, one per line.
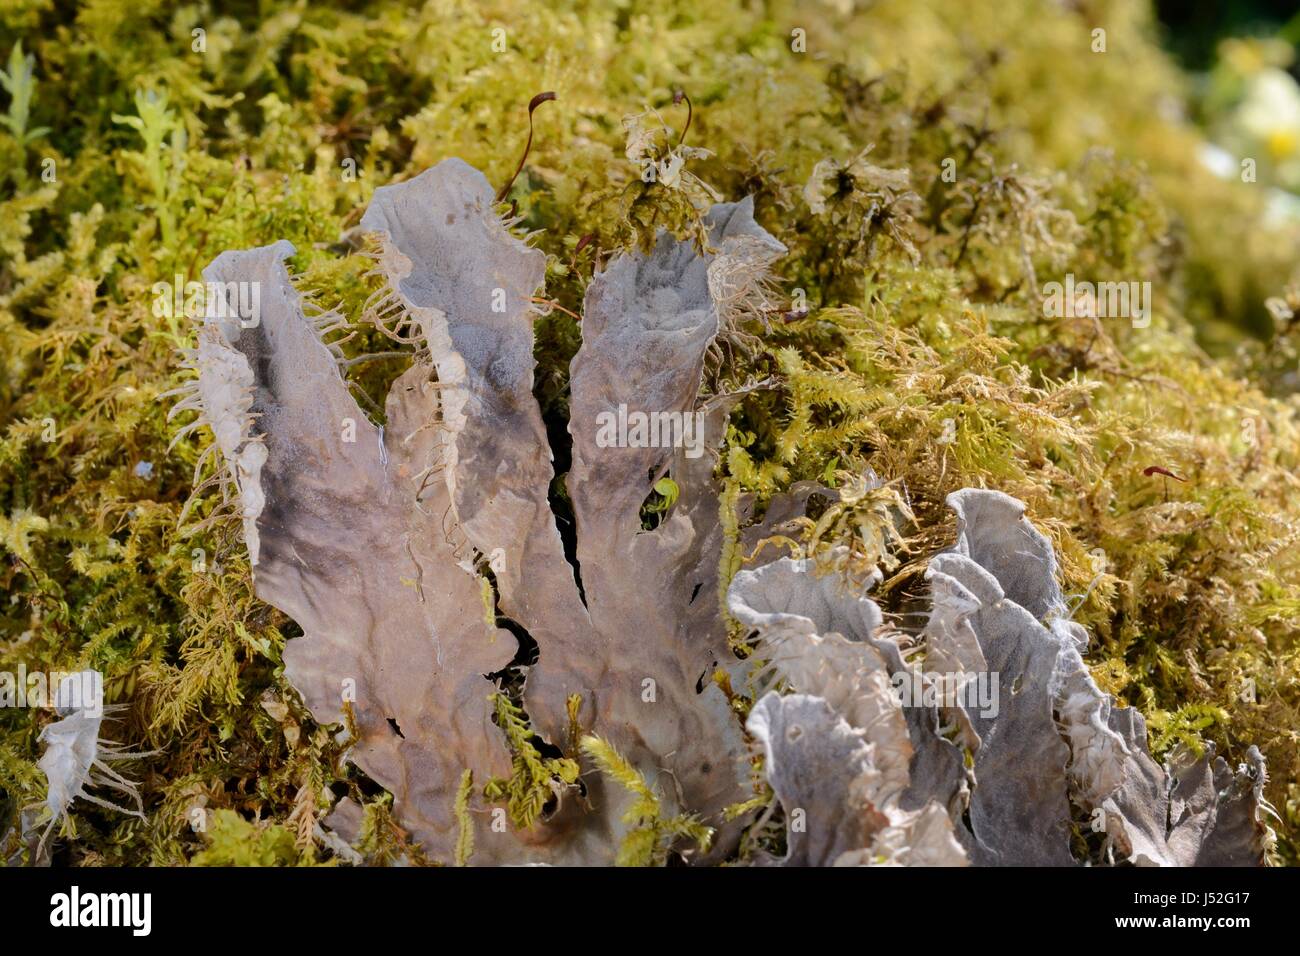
column 925, row 353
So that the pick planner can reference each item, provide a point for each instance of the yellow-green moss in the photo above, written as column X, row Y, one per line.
column 924, row 353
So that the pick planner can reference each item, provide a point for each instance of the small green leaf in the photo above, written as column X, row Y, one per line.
column 668, row 489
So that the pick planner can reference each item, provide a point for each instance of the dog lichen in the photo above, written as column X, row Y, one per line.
column 1002, row 156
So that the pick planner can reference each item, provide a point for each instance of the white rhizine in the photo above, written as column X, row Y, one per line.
column 76, row 758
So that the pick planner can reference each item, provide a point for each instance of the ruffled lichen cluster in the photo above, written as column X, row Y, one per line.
column 927, row 168
column 982, row 740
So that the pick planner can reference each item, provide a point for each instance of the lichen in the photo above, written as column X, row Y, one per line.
column 860, row 782
column 904, row 339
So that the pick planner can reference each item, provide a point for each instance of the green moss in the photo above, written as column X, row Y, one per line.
column 915, row 345
column 534, row 779
column 234, row 841
column 650, row 835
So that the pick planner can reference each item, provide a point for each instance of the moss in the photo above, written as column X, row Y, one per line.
column 650, row 835
column 234, row 841
column 915, row 343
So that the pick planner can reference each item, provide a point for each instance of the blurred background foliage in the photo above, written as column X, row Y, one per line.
column 128, row 157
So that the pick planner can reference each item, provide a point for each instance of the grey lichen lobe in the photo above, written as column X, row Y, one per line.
column 1054, row 754
column 78, row 758
column 347, row 531
column 377, row 547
